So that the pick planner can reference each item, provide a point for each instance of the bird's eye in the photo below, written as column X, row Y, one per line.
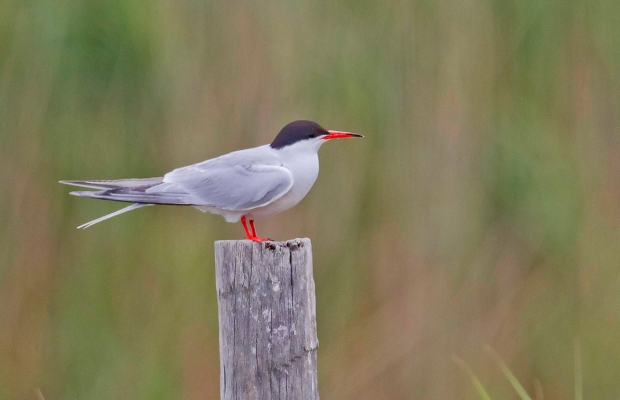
column 312, row 135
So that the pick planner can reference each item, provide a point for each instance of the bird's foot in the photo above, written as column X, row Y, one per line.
column 252, row 235
column 259, row 239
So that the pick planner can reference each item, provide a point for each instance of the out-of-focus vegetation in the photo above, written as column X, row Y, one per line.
column 482, row 208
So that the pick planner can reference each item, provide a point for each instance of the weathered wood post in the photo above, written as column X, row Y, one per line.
column 267, row 314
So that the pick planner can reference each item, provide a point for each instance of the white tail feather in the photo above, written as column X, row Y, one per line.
column 114, row 214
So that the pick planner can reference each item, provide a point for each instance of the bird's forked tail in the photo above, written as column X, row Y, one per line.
column 114, row 214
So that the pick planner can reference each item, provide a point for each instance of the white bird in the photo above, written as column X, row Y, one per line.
column 243, row 185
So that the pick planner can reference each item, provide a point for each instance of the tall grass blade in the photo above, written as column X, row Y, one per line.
column 509, row 375
column 578, row 371
column 473, row 378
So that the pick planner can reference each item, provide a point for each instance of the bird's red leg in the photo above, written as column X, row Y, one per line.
column 248, row 235
column 253, row 228
column 254, row 233
column 251, row 236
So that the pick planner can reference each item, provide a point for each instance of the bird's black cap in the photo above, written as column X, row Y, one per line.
column 296, row 131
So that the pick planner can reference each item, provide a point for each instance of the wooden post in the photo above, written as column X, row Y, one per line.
column 267, row 314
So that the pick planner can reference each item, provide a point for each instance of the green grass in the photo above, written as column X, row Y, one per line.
column 508, row 374
column 512, row 379
column 473, row 378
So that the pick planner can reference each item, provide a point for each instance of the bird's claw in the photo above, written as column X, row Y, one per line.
column 259, row 240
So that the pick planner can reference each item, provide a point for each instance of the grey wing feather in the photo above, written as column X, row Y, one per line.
column 232, row 187
column 235, row 182
column 114, row 184
column 132, row 196
column 132, row 191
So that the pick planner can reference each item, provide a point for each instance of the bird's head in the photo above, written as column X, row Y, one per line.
column 306, row 136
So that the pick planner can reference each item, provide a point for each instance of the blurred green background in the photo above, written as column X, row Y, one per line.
column 482, row 208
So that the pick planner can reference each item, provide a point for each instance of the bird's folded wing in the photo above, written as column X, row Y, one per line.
column 231, row 187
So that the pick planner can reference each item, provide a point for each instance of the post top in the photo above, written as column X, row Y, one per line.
column 291, row 243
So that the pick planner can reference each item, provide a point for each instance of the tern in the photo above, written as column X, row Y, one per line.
column 240, row 186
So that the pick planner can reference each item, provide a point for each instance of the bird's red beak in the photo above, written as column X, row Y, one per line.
column 340, row 135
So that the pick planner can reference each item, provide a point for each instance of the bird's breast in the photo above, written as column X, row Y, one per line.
column 305, row 171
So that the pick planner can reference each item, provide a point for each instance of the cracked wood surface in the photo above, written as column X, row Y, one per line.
column 267, row 315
